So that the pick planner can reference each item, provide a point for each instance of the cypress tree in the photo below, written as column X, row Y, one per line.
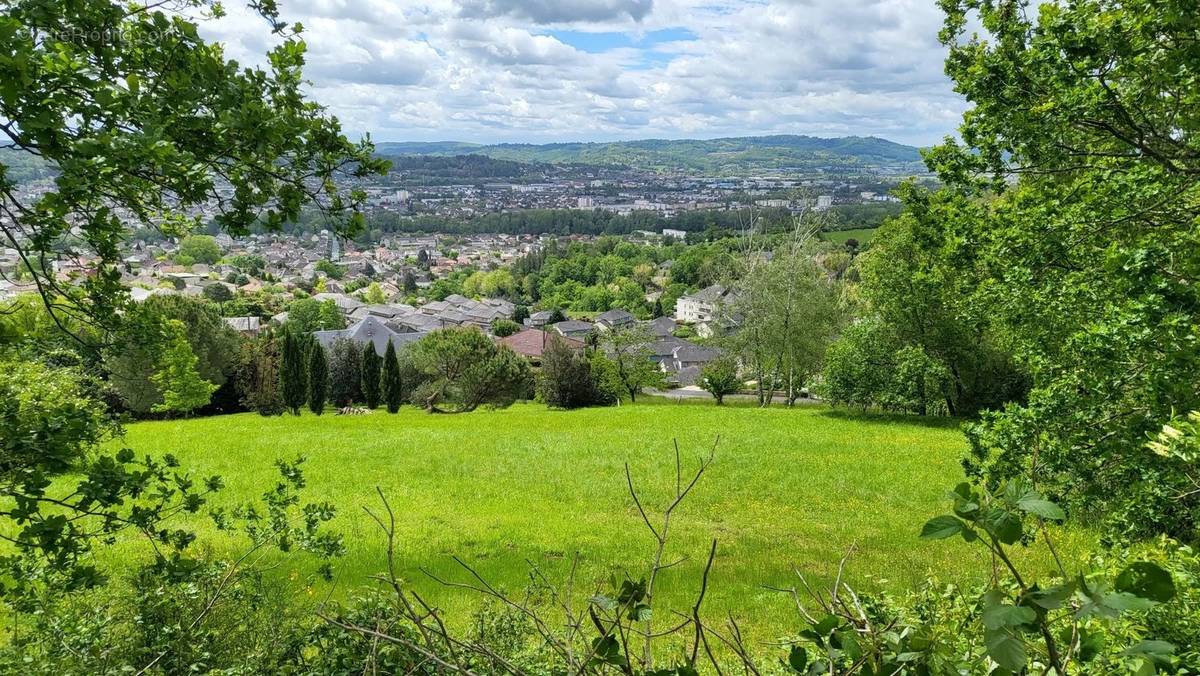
column 293, row 373
column 370, row 375
column 392, row 392
column 318, row 379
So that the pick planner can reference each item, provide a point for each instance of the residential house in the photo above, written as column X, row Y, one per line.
column 532, row 343
column 702, row 306
column 540, row 318
column 573, row 328
column 346, row 304
column 661, row 327
column 615, row 319
column 250, row 326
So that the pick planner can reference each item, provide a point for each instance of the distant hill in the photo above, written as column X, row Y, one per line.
column 21, row 167
column 713, row 155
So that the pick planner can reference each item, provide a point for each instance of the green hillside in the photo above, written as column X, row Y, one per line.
column 713, row 155
column 502, row 489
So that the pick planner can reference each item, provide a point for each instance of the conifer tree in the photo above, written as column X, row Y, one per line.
column 293, row 373
column 183, row 390
column 318, row 379
column 370, row 375
column 393, row 395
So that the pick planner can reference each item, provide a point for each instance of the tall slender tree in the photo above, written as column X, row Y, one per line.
column 393, row 392
column 370, row 375
column 293, row 373
column 345, row 372
column 318, row 379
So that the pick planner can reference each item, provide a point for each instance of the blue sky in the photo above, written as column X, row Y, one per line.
column 557, row 70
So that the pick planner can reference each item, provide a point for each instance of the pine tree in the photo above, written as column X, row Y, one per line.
column 318, row 379
column 393, row 395
column 182, row 388
column 370, row 375
column 293, row 373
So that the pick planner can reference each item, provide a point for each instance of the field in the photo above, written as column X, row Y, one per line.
column 863, row 235
column 507, row 489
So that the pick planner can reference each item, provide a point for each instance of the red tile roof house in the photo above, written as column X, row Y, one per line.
column 532, row 343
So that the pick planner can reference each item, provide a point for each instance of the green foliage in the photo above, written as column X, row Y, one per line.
column 371, row 373
column 1019, row 617
column 720, row 378
column 48, row 421
column 258, row 377
column 144, row 337
column 502, row 328
column 50, row 426
column 309, row 314
column 293, row 370
column 1087, row 264
column 183, row 616
column 330, row 269
column 565, row 380
column 198, row 249
column 918, row 279
column 165, row 124
column 869, row 367
column 176, row 377
column 251, row 264
column 218, row 293
column 374, row 294
column 318, row 379
column 628, row 356
column 495, row 284
column 704, row 265
column 345, row 372
column 391, row 387
column 790, row 312
column 464, row 369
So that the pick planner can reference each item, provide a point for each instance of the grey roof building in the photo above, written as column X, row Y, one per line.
column 614, row 319
column 573, row 328
column 369, row 330
column 661, row 327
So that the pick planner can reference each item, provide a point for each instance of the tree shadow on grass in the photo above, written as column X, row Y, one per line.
column 881, row 418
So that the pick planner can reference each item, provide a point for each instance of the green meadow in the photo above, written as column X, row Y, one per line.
column 788, row 490
column 863, row 235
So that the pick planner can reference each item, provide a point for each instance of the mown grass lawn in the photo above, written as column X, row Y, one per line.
column 507, row 489
column 863, row 235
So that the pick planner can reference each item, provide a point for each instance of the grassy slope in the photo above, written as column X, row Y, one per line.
column 500, row 488
column 863, row 235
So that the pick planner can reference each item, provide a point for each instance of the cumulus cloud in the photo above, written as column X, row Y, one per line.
column 549, row 70
column 544, row 12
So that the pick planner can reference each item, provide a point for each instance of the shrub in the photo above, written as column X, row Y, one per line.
column 721, row 378
column 566, row 377
column 502, row 328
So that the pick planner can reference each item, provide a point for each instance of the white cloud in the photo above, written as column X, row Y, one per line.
column 546, row 70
